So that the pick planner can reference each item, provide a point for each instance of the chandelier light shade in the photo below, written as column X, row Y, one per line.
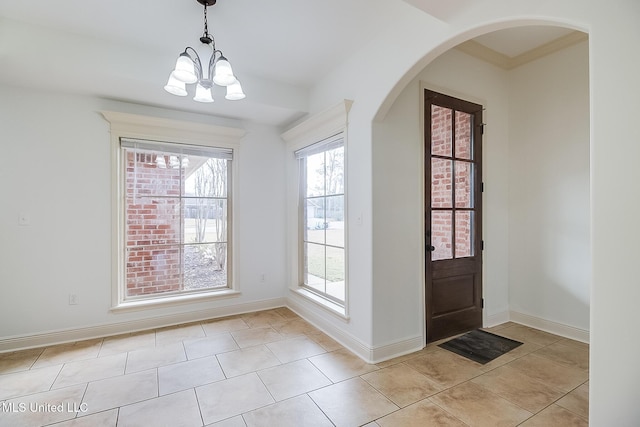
column 189, row 70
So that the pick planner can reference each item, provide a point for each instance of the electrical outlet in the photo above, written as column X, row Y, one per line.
column 73, row 299
column 24, row 219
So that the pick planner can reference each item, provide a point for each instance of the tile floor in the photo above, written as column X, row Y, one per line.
column 272, row 368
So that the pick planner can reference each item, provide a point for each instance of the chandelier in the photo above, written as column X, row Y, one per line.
column 189, row 70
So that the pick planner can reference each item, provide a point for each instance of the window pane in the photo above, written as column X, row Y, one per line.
column 335, row 221
column 145, row 177
column 464, row 181
column 315, row 220
column 335, row 272
column 153, row 221
column 441, row 124
column 315, row 175
column 205, row 266
column 314, row 272
column 153, row 269
column 464, row 123
column 205, row 177
column 334, row 171
column 205, row 220
column 441, row 172
column 441, row 237
column 464, row 241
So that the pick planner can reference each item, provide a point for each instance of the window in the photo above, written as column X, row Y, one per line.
column 172, row 211
column 322, row 219
column 176, row 211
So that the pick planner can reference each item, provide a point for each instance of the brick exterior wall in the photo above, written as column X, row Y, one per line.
column 443, row 179
column 153, row 226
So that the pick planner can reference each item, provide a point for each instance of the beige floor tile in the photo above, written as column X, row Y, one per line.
column 423, row 413
column 119, row 391
column 295, row 349
column 17, row 361
column 101, row 419
column 178, row 333
column 500, row 326
column 141, row 360
column 256, row 336
column 128, row 342
column 190, row 374
column 401, row 384
column 406, row 357
column 566, row 354
column 295, row 327
column 577, row 401
column 236, row 421
column 292, row 379
column 296, row 412
column 497, row 362
column 579, row 344
column 352, row 403
column 210, row 346
column 445, row 368
column 69, row 353
column 564, row 378
column 247, row 360
column 555, row 416
column 325, row 341
column 84, row 371
column 286, row 313
column 225, row 399
column 518, row 388
column 477, row 406
column 43, row 408
column 262, row 319
column 28, row 382
column 341, row 364
column 227, row 324
column 525, row 334
column 175, row 410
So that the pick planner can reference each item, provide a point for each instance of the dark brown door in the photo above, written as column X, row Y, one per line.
column 453, row 215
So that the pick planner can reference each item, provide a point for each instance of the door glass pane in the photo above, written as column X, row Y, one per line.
column 464, row 234
column 464, row 185
column 441, row 237
column 441, row 172
column 464, row 122
column 441, row 125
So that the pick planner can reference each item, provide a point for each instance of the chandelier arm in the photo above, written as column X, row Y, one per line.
column 191, row 52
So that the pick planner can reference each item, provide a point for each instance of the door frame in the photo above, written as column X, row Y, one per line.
column 466, row 97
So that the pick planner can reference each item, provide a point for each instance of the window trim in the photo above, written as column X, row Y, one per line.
column 313, row 130
column 133, row 126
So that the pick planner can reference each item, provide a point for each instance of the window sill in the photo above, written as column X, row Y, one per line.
column 169, row 301
column 330, row 306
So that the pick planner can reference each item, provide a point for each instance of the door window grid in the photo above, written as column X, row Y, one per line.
column 452, row 184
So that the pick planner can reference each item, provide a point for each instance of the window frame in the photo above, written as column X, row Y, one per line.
column 132, row 126
column 314, row 129
column 335, row 141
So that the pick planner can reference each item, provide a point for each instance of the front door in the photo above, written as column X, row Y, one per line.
column 453, row 215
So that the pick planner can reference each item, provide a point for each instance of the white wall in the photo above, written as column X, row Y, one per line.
column 399, row 195
column 549, row 243
column 56, row 168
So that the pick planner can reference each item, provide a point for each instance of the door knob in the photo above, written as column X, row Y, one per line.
column 430, row 248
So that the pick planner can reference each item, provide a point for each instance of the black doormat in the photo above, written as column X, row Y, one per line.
column 480, row 346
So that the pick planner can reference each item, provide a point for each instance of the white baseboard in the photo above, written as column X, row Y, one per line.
column 367, row 353
column 550, row 326
column 496, row 319
column 49, row 338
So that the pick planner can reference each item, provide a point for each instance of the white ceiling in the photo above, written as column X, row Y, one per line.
column 125, row 49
